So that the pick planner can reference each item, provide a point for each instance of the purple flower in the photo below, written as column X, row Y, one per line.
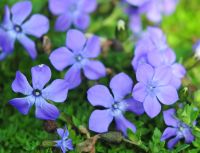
column 17, row 28
column 176, row 131
column 153, row 87
column 65, row 143
column 156, row 52
column 5, row 47
column 79, row 52
column 99, row 95
column 71, row 12
column 39, row 94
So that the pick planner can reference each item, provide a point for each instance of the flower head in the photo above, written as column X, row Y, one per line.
column 64, row 143
column 38, row 94
column 156, row 52
column 17, row 28
column 99, row 95
column 78, row 54
column 72, row 12
column 154, row 86
column 176, row 131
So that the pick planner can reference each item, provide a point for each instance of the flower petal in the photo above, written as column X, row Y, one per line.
column 171, row 143
column 99, row 95
column 61, row 58
column 123, row 124
column 168, row 133
column 41, row 74
column 23, row 105
column 82, row 21
column 45, row 111
column 3, row 55
column 175, row 82
column 29, row 45
column 151, row 106
column 100, row 120
column 56, row 91
column 178, row 70
column 167, row 94
column 89, row 6
column 58, row 7
column 134, row 106
column 37, row 25
column 73, row 77
column 135, row 23
column 6, row 42
column 139, row 92
column 60, row 132
column 121, row 85
column 75, row 40
column 170, row 118
column 188, row 136
column 7, row 23
column 69, row 144
column 155, row 58
column 94, row 70
column 93, row 47
column 21, row 85
column 153, row 13
column 144, row 73
column 162, row 75
column 63, row 22
column 20, row 11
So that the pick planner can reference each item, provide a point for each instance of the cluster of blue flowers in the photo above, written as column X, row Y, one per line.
column 154, row 63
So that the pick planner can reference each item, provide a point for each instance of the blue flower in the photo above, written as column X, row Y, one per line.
column 157, row 53
column 72, row 12
column 39, row 94
column 154, row 87
column 79, row 53
column 65, row 143
column 115, row 105
column 176, row 131
column 18, row 28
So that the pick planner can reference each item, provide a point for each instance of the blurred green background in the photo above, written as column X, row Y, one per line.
column 25, row 134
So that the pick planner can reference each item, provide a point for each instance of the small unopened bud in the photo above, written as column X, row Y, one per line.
column 46, row 44
column 121, row 30
column 113, row 137
column 184, row 92
column 196, row 49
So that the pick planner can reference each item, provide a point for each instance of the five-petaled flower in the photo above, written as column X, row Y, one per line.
column 157, row 53
column 154, row 85
column 65, row 143
column 177, row 129
column 72, row 12
column 17, row 28
column 78, row 52
column 39, row 94
column 99, row 95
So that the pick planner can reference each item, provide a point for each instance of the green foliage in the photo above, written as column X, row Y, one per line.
column 22, row 134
